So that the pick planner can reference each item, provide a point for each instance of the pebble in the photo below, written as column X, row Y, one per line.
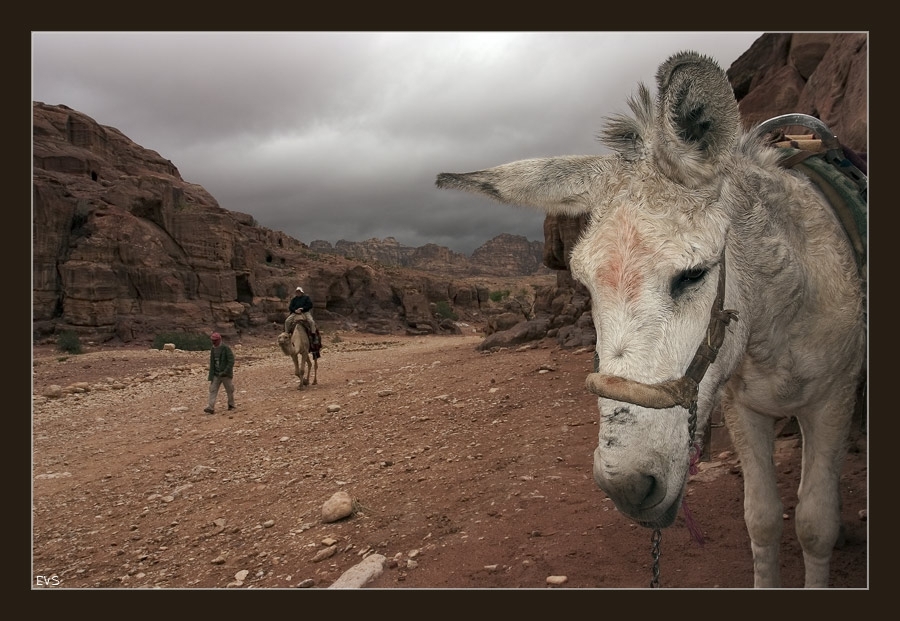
column 555, row 580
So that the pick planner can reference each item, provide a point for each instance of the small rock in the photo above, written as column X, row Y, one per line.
column 321, row 555
column 340, row 505
column 268, row 523
column 334, row 407
column 557, row 579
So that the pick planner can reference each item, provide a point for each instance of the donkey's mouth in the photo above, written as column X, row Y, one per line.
column 664, row 520
column 648, row 500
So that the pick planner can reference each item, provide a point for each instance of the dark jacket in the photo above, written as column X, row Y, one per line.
column 302, row 301
column 221, row 362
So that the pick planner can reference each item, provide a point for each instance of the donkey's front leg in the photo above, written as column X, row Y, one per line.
column 754, row 439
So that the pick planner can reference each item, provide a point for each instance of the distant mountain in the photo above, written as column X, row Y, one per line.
column 504, row 255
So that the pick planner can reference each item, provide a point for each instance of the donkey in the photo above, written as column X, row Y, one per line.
column 717, row 278
column 297, row 346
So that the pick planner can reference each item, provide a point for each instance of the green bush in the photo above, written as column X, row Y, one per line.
column 443, row 310
column 183, row 340
column 496, row 296
column 69, row 342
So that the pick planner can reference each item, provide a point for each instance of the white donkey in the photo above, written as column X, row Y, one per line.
column 715, row 276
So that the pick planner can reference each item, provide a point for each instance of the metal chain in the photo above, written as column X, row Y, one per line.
column 654, row 552
column 656, row 537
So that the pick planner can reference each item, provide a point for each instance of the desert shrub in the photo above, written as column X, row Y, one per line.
column 496, row 296
column 187, row 341
column 444, row 311
column 69, row 342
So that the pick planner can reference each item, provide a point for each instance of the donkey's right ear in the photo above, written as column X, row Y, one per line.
column 698, row 121
column 555, row 185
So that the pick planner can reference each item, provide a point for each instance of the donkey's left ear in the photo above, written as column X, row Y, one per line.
column 697, row 115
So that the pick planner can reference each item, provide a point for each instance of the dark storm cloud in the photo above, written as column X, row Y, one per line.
column 340, row 135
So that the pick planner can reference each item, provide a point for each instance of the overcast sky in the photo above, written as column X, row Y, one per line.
column 339, row 135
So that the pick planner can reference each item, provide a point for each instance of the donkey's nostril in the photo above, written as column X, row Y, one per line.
column 643, row 492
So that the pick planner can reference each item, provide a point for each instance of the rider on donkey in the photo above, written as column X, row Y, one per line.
column 300, row 309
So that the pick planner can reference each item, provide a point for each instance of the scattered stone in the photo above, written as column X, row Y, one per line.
column 241, row 576
column 361, row 573
column 557, row 580
column 321, row 555
column 334, row 407
column 268, row 523
column 53, row 475
column 339, row 506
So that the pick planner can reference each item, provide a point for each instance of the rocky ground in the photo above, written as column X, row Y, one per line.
column 467, row 470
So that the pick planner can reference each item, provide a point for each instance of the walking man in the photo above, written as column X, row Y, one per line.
column 221, row 372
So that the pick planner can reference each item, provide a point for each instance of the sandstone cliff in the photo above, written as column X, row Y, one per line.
column 124, row 248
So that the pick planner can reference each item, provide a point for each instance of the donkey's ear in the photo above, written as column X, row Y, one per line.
column 556, row 185
column 697, row 115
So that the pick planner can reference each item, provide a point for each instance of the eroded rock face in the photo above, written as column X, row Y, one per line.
column 821, row 74
column 504, row 255
column 123, row 247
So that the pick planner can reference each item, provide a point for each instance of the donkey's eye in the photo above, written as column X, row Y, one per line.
column 683, row 280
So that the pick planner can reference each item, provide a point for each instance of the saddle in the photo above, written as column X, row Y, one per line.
column 837, row 171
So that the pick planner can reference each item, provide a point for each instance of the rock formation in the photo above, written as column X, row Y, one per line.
column 124, row 248
column 504, row 255
column 821, row 74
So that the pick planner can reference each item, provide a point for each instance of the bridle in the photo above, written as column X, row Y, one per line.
column 682, row 391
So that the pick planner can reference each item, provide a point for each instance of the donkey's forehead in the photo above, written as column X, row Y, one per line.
column 668, row 230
